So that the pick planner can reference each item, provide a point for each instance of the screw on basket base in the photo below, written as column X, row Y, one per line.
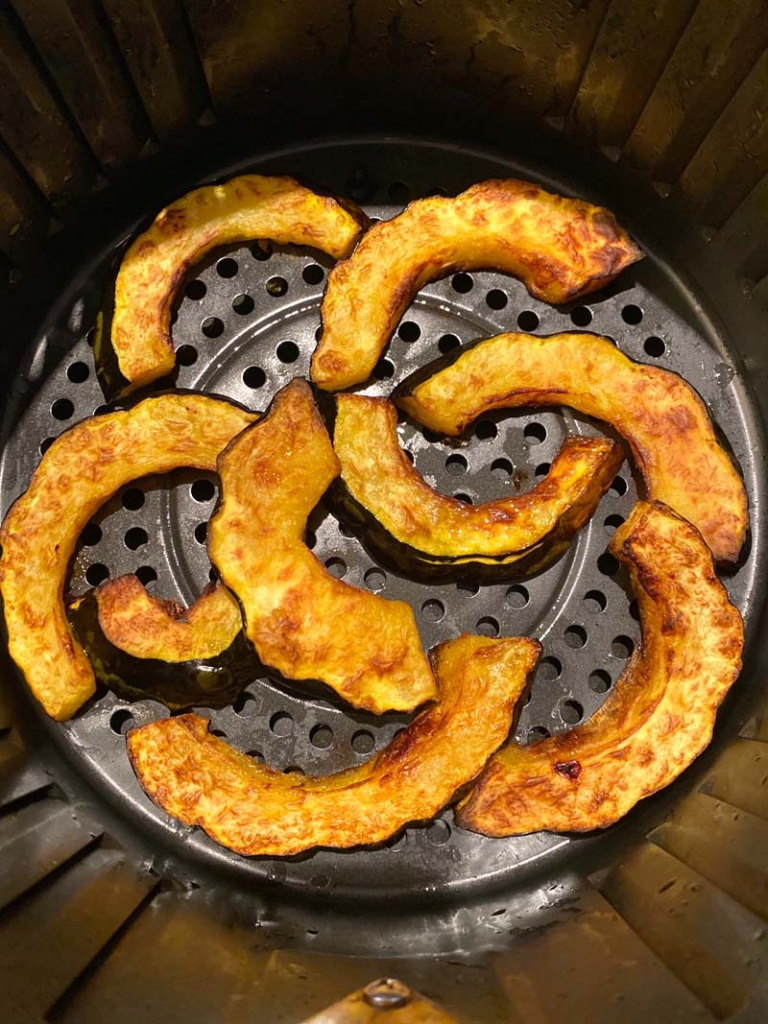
column 378, row 998
column 387, row 994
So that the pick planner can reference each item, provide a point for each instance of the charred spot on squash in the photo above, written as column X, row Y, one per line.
column 568, row 769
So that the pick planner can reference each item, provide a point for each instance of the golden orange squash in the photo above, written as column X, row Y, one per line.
column 302, row 620
column 560, row 248
column 133, row 341
column 661, row 417
column 81, row 470
column 410, row 525
column 658, row 718
column 255, row 810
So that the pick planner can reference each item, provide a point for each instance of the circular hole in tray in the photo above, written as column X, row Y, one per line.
column 496, row 299
column 212, row 327
column 528, row 320
column 121, row 720
column 281, row 723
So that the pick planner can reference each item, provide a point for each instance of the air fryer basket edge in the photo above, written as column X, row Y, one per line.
column 728, row 314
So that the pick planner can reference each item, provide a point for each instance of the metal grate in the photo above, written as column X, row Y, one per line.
column 245, row 325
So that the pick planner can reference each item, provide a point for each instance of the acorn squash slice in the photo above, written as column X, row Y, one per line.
column 253, row 809
column 302, row 621
column 661, row 417
column 661, row 713
column 81, row 470
column 133, row 340
column 141, row 646
column 419, row 531
column 149, row 627
column 560, row 248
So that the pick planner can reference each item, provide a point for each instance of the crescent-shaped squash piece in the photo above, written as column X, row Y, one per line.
column 560, row 248
column 661, row 713
column 141, row 646
column 423, row 532
column 81, row 470
column 660, row 416
column 303, row 621
column 145, row 626
column 133, row 341
column 253, row 809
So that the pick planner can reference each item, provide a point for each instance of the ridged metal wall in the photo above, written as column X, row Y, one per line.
column 675, row 88
column 677, row 91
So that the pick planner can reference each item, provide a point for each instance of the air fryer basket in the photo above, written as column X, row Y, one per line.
column 111, row 910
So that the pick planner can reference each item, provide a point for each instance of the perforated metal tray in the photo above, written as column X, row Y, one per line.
column 245, row 325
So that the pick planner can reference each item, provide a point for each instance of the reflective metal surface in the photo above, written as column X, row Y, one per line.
column 108, row 110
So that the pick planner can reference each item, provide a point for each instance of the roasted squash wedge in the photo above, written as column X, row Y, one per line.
column 140, row 646
column 84, row 467
column 560, row 249
column 661, row 417
column 410, row 525
column 133, row 341
column 253, row 809
column 302, row 621
column 661, row 713
column 149, row 627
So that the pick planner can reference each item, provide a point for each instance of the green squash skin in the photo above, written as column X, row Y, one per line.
column 408, row 561
column 205, row 682
column 108, row 374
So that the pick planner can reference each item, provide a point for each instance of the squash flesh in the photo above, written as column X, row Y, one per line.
column 253, row 809
column 560, row 248
column 81, row 470
column 661, row 713
column 145, row 626
column 381, row 479
column 148, row 668
column 244, row 208
column 660, row 416
column 302, row 621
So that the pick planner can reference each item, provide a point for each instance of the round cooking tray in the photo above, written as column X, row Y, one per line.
column 245, row 324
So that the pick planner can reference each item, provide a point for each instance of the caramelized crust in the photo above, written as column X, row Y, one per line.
column 253, row 809
column 560, row 248
column 173, row 655
column 661, row 713
column 148, row 627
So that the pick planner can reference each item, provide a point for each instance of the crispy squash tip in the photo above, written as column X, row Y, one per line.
column 145, row 626
column 142, row 648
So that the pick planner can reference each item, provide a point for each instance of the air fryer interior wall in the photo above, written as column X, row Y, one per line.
column 117, row 903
